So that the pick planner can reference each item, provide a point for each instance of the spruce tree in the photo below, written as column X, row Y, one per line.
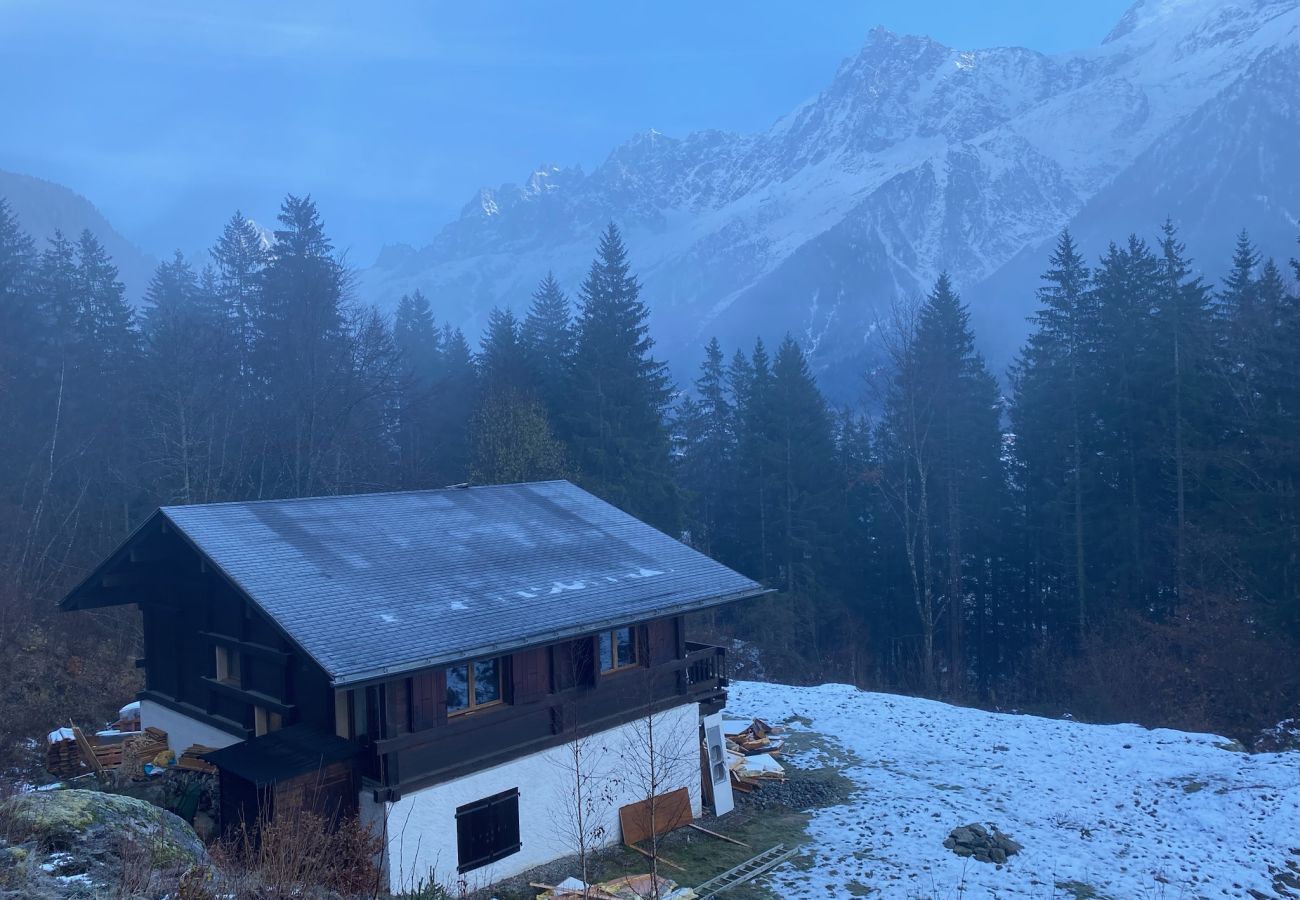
column 548, row 338
column 455, row 397
column 300, row 354
column 184, row 383
column 240, row 256
column 750, row 383
column 708, row 432
column 616, row 427
column 1054, row 433
column 502, row 359
column 21, row 329
column 961, row 401
column 418, row 341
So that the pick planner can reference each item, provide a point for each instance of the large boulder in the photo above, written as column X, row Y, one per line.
column 57, row 844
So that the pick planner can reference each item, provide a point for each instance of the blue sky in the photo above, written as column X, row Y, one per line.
column 170, row 114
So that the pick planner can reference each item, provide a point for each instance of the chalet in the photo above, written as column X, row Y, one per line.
column 425, row 659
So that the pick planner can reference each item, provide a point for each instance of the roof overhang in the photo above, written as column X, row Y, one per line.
column 382, row 673
column 286, row 753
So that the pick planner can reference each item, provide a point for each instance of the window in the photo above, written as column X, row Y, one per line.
column 487, row 830
column 265, row 721
column 228, row 666
column 617, row 649
column 473, row 685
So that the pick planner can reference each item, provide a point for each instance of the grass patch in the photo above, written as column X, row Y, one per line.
column 1080, row 890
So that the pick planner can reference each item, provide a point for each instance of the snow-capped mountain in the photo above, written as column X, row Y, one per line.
column 917, row 158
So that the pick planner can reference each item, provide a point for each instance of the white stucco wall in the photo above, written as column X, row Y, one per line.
column 183, row 731
column 421, row 827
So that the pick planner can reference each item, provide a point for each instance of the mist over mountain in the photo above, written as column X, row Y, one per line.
column 43, row 207
column 918, row 158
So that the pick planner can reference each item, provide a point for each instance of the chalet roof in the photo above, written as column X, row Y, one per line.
column 374, row 584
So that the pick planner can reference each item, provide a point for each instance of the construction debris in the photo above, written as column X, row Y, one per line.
column 757, row 737
column 630, row 887
column 750, row 749
column 136, row 754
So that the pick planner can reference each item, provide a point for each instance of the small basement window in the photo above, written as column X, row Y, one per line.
column 474, row 685
column 228, row 666
column 617, row 649
column 487, row 830
column 265, row 721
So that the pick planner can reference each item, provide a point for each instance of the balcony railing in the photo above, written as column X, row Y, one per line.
column 706, row 670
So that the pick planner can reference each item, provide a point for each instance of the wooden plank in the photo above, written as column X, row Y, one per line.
column 87, row 751
column 730, row 840
column 667, row 813
column 648, row 855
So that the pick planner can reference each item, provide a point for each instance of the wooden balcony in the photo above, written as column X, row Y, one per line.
column 706, row 674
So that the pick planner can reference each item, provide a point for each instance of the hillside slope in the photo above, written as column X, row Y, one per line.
column 43, row 206
column 1118, row 810
column 917, row 158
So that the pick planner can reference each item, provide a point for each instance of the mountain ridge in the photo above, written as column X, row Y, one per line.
column 42, row 206
column 916, row 158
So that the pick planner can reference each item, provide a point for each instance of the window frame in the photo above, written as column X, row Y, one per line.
column 470, row 699
column 618, row 665
column 228, row 668
column 266, row 721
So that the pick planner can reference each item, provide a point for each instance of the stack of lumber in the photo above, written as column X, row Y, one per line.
column 62, row 758
column 192, row 760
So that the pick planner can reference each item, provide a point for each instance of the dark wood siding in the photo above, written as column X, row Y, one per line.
column 554, row 696
column 188, row 611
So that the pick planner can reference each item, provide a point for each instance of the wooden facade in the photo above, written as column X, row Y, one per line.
column 211, row 654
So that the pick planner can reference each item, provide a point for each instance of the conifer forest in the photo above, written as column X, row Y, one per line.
column 1108, row 528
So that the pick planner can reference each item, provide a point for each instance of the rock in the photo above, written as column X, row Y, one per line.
column 86, row 843
column 976, row 842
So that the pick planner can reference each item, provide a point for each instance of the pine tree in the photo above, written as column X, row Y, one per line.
column 1127, row 454
column 184, row 382
column 961, row 402
column 750, row 383
column 418, row 342
column 1183, row 366
column 548, row 338
column 708, row 431
column 241, row 257
column 455, row 397
column 803, row 469
column 620, row 393
column 1054, row 430
column 502, row 360
column 300, row 357
column 21, row 330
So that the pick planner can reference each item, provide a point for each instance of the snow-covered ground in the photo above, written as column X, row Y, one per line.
column 1120, row 811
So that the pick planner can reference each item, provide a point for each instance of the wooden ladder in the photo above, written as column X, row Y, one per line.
column 749, row 869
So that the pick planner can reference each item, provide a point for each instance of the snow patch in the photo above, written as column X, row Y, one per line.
column 1124, row 810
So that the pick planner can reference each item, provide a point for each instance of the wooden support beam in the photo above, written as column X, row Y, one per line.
column 648, row 855
column 716, row 835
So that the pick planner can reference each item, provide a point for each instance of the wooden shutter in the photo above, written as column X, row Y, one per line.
column 662, row 641
column 487, row 830
column 423, row 701
column 530, row 675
